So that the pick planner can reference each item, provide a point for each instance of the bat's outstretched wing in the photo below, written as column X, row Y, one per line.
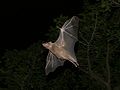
column 52, row 62
column 67, row 39
column 69, row 35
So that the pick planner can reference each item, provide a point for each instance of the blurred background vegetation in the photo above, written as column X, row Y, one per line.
column 99, row 56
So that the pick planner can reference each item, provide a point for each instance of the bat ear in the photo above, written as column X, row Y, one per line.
column 47, row 45
column 50, row 42
column 43, row 44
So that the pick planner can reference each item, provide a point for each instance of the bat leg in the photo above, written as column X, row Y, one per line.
column 75, row 63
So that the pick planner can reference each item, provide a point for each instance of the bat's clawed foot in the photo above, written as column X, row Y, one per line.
column 76, row 64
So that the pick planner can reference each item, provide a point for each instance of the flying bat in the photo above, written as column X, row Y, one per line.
column 63, row 48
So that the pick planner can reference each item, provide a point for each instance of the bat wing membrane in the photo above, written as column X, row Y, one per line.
column 52, row 62
column 69, row 34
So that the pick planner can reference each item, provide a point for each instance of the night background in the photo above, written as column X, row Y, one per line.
column 23, row 58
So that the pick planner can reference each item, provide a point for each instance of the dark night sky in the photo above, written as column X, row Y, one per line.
column 21, row 27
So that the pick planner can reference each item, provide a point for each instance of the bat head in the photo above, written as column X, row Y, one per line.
column 47, row 45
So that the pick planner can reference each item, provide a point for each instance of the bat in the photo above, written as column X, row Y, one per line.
column 63, row 48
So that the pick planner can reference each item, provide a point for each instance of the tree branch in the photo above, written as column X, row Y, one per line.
column 94, row 76
column 93, row 30
column 88, row 48
column 83, row 37
column 82, row 43
column 107, row 66
column 90, row 72
column 88, row 59
column 116, row 4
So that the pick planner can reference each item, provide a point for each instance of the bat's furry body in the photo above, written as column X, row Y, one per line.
column 63, row 48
